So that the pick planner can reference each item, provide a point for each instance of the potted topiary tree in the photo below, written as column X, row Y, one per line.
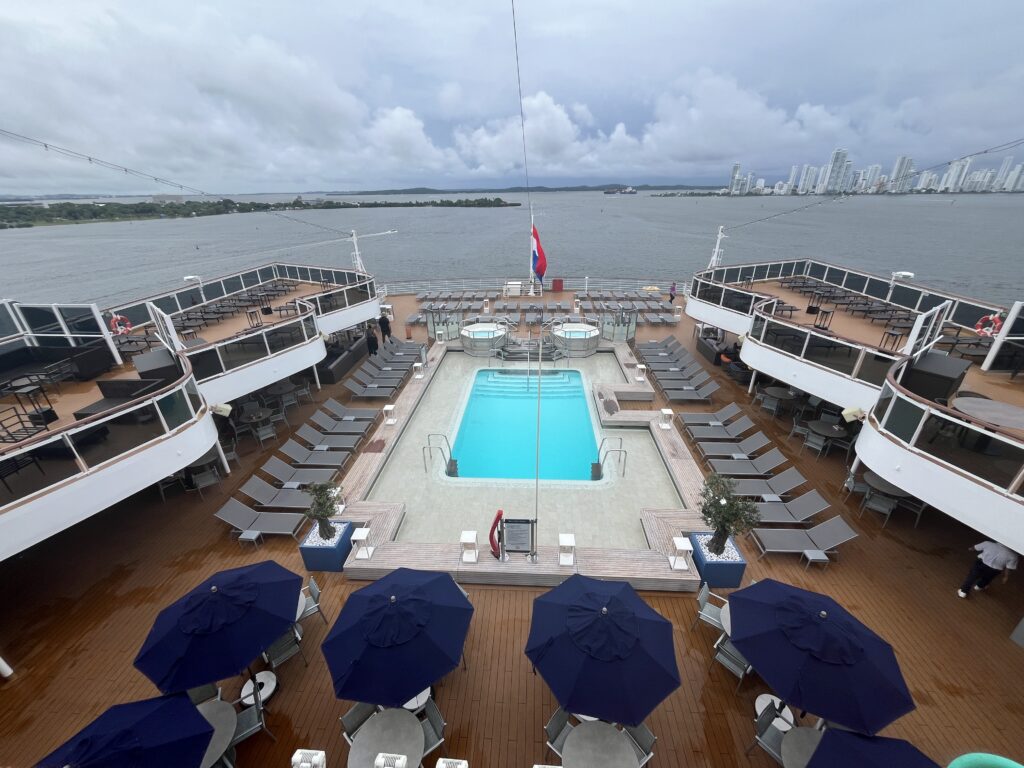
column 328, row 542
column 715, row 554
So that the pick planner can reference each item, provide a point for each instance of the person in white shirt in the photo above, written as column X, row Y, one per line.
column 993, row 559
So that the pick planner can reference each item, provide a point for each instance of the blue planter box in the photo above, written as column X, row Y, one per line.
column 718, row 573
column 328, row 558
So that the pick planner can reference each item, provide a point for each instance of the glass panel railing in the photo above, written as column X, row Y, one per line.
column 205, row 364
column 832, row 354
column 192, row 391
column 785, row 338
column 874, row 367
column 35, row 469
column 309, row 325
column 738, row 301
column 282, row 337
column 757, row 327
column 243, row 351
column 972, row 449
column 175, row 410
column 903, row 419
column 882, row 404
column 120, row 434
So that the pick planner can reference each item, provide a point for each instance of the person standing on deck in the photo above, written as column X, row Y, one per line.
column 992, row 559
column 385, row 327
column 371, row 342
column 672, row 293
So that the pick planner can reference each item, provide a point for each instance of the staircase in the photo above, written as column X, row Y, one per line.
column 522, row 351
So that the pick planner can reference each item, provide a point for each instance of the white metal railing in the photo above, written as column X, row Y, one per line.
column 69, row 452
column 496, row 284
column 984, row 452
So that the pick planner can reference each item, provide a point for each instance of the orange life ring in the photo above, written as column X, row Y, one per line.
column 120, row 325
column 989, row 325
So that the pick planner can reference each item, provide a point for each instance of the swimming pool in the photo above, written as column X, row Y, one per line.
column 497, row 436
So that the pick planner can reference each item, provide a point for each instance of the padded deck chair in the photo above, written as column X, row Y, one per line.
column 304, row 457
column 243, row 518
column 827, row 537
column 369, row 393
column 368, row 379
column 290, row 477
column 716, row 419
column 401, row 364
column 679, row 380
column 340, row 426
column 266, row 495
column 340, row 411
column 685, row 395
column 799, row 510
column 666, row 369
column 759, row 467
column 724, row 432
column 654, row 357
column 316, row 439
column 779, row 485
column 667, row 341
column 744, row 449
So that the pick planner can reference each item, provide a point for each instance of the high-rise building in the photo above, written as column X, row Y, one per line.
column 902, row 174
column 808, row 178
column 953, row 180
column 1014, row 178
column 832, row 180
column 734, row 180
column 846, row 182
column 791, row 184
column 1004, row 170
column 748, row 185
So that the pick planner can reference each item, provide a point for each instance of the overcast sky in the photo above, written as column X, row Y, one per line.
column 253, row 96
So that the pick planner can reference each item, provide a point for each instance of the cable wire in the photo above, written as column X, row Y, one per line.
column 522, row 114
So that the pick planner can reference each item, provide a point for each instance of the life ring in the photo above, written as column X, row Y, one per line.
column 493, row 535
column 989, row 325
column 120, row 325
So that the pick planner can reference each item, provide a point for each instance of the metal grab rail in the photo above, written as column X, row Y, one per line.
column 601, row 446
column 427, row 450
column 625, row 455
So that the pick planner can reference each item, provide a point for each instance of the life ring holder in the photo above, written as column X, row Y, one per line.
column 989, row 325
column 120, row 325
column 493, row 534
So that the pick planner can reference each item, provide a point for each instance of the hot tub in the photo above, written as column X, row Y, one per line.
column 482, row 338
column 576, row 339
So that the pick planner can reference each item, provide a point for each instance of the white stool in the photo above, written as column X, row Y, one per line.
column 417, row 370
column 359, row 538
column 470, row 554
column 389, row 415
column 666, row 418
column 487, row 306
column 567, row 549
column 641, row 372
column 684, row 550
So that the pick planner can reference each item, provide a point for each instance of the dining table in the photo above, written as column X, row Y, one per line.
column 223, row 717
column 780, row 393
column 257, row 416
column 827, row 429
column 284, row 387
column 395, row 731
column 884, row 486
column 993, row 411
column 597, row 744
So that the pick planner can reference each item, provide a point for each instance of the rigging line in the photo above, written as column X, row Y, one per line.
column 100, row 162
column 311, row 224
column 522, row 115
column 998, row 148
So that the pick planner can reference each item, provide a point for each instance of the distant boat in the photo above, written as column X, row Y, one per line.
column 621, row 191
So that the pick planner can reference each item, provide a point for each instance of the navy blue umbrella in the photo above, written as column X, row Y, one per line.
column 217, row 629
column 397, row 636
column 842, row 749
column 165, row 732
column 602, row 650
column 818, row 657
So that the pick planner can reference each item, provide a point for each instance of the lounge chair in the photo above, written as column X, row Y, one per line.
column 744, row 449
column 397, row 363
column 339, row 426
column 826, row 537
column 685, row 395
column 307, row 458
column 758, row 467
column 243, row 518
column 779, row 485
column 724, row 432
column 368, row 379
column 371, row 392
column 681, row 379
column 314, row 438
column 290, row 477
column 350, row 414
column 676, row 371
column 713, row 419
column 267, row 495
column 799, row 510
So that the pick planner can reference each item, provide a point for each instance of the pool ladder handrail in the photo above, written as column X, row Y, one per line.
column 428, row 450
column 609, row 451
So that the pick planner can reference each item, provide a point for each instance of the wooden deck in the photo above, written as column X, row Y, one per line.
column 78, row 606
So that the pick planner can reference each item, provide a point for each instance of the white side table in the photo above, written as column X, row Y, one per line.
column 684, row 550
column 252, row 537
column 389, row 415
column 470, row 553
column 666, row 418
column 417, row 370
column 359, row 543
column 267, row 681
column 566, row 549
column 784, row 721
column 641, row 372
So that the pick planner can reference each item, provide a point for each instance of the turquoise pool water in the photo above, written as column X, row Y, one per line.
column 498, row 434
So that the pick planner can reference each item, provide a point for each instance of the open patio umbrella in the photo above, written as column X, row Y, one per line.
column 217, row 629
column 165, row 732
column 397, row 636
column 842, row 749
column 602, row 650
column 818, row 657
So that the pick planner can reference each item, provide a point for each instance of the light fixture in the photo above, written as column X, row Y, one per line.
column 199, row 280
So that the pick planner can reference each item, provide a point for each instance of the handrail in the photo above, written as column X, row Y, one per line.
column 759, row 311
column 497, row 284
column 246, row 333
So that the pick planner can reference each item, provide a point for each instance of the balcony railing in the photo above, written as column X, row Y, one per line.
column 846, row 357
column 497, row 284
column 49, row 459
column 984, row 452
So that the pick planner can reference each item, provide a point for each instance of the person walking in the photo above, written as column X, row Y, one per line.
column 672, row 293
column 385, row 327
column 371, row 342
column 992, row 559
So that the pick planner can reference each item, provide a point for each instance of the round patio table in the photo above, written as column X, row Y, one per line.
column 266, row 680
column 255, row 417
column 825, row 429
column 779, row 393
column 396, row 731
column 726, row 618
column 992, row 411
column 285, row 387
column 596, row 745
column 222, row 716
column 884, row 486
column 798, row 746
